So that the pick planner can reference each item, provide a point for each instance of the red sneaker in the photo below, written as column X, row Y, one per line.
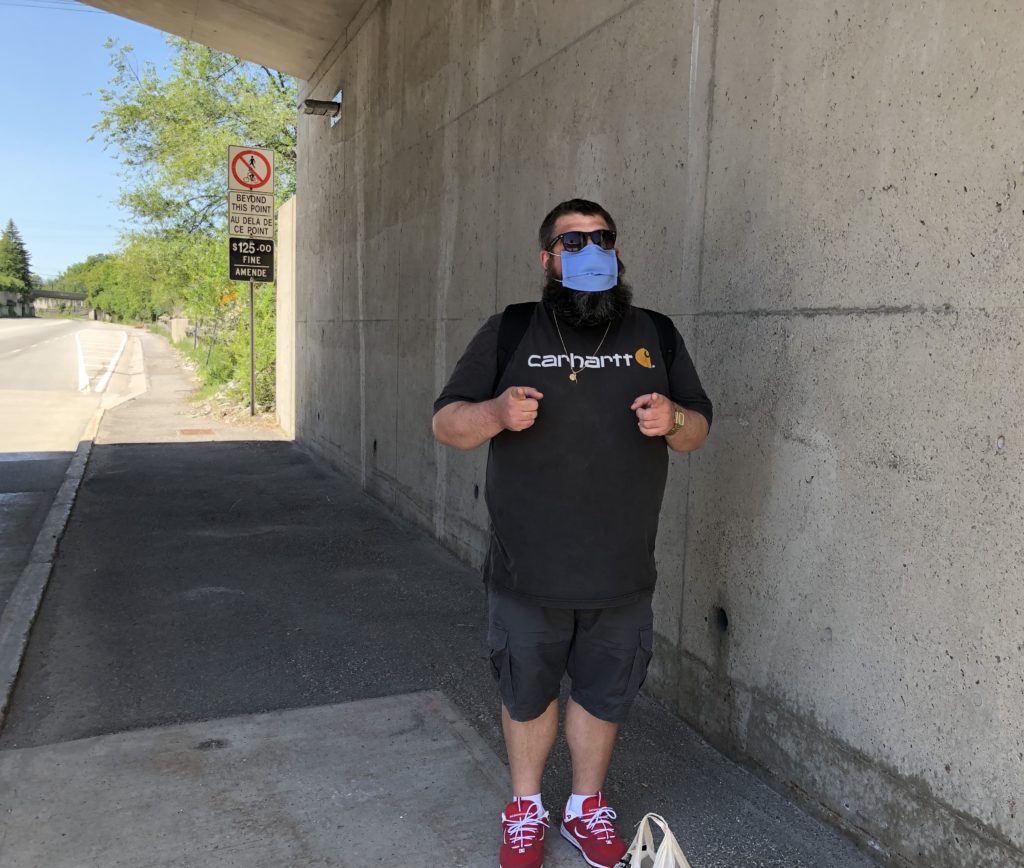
column 523, row 826
column 593, row 834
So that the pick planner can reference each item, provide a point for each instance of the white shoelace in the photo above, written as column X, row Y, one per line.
column 598, row 822
column 522, row 831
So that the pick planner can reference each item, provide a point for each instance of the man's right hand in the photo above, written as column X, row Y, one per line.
column 517, row 407
column 466, row 425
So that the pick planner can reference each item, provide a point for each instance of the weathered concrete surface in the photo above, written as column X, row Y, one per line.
column 382, row 781
column 850, row 599
column 293, row 38
column 860, row 310
column 826, row 200
column 209, row 576
column 163, row 414
column 284, row 393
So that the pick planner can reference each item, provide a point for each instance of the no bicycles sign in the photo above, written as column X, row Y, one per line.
column 251, row 215
column 250, row 169
column 251, row 227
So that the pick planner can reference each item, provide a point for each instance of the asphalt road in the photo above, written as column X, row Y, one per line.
column 53, row 374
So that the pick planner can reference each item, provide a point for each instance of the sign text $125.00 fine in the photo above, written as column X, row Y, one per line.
column 251, row 259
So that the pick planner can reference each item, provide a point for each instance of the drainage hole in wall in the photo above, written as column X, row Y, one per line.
column 476, row 492
column 721, row 619
column 374, row 447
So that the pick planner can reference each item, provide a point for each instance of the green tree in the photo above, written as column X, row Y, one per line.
column 173, row 133
column 15, row 273
column 172, row 130
column 96, row 277
column 265, row 347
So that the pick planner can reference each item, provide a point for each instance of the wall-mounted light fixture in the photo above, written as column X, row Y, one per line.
column 325, row 107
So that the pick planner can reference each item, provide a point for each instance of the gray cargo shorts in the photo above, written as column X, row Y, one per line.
column 605, row 652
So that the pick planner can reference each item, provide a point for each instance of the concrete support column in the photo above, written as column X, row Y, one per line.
column 286, row 317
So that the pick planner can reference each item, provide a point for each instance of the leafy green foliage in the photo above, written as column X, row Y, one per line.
column 171, row 131
column 265, row 347
column 15, row 275
column 222, row 352
column 9, row 283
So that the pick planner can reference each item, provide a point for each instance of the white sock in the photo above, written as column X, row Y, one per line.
column 535, row 799
column 574, row 807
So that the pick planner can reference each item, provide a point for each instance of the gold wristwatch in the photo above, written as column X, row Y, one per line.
column 678, row 418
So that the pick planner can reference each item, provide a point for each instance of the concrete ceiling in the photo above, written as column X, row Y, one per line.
column 291, row 37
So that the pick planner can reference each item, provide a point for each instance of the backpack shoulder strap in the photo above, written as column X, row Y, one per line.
column 515, row 320
column 666, row 336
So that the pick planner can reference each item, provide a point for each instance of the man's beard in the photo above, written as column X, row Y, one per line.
column 587, row 308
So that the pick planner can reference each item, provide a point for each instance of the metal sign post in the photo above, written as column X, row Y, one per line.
column 252, row 347
column 251, row 223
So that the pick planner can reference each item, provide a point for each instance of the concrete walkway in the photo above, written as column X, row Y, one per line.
column 311, row 786
column 241, row 660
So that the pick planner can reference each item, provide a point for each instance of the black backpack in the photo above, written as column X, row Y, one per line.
column 516, row 319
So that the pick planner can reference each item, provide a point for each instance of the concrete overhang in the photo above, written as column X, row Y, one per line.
column 294, row 38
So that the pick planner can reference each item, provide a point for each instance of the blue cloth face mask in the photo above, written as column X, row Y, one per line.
column 592, row 269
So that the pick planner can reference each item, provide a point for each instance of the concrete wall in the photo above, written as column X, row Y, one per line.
column 179, row 328
column 43, row 306
column 12, row 305
column 285, row 331
column 826, row 202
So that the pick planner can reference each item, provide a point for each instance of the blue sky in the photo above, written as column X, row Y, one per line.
column 59, row 188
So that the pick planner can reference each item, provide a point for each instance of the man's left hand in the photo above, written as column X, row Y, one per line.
column 653, row 414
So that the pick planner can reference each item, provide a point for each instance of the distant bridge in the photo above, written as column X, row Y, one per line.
column 47, row 300
column 49, row 293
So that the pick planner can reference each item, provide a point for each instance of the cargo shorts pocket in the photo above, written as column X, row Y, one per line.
column 501, row 664
column 641, row 661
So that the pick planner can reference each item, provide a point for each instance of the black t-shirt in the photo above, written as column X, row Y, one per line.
column 574, row 499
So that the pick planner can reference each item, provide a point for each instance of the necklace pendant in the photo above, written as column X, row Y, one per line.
column 572, row 376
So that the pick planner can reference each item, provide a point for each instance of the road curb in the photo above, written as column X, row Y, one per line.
column 20, row 612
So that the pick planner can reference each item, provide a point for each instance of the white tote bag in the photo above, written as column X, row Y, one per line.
column 642, row 852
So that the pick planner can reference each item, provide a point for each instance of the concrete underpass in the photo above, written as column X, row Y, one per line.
column 825, row 199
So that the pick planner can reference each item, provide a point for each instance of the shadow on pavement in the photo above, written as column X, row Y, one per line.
column 212, row 579
column 205, row 580
column 28, row 483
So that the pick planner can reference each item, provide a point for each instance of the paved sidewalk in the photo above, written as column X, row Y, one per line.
column 314, row 786
column 242, row 660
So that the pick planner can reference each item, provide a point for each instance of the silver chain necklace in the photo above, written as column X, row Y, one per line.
column 572, row 373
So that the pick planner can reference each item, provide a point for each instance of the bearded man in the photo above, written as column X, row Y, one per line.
column 580, row 397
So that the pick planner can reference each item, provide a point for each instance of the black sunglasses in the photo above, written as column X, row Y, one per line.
column 576, row 241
